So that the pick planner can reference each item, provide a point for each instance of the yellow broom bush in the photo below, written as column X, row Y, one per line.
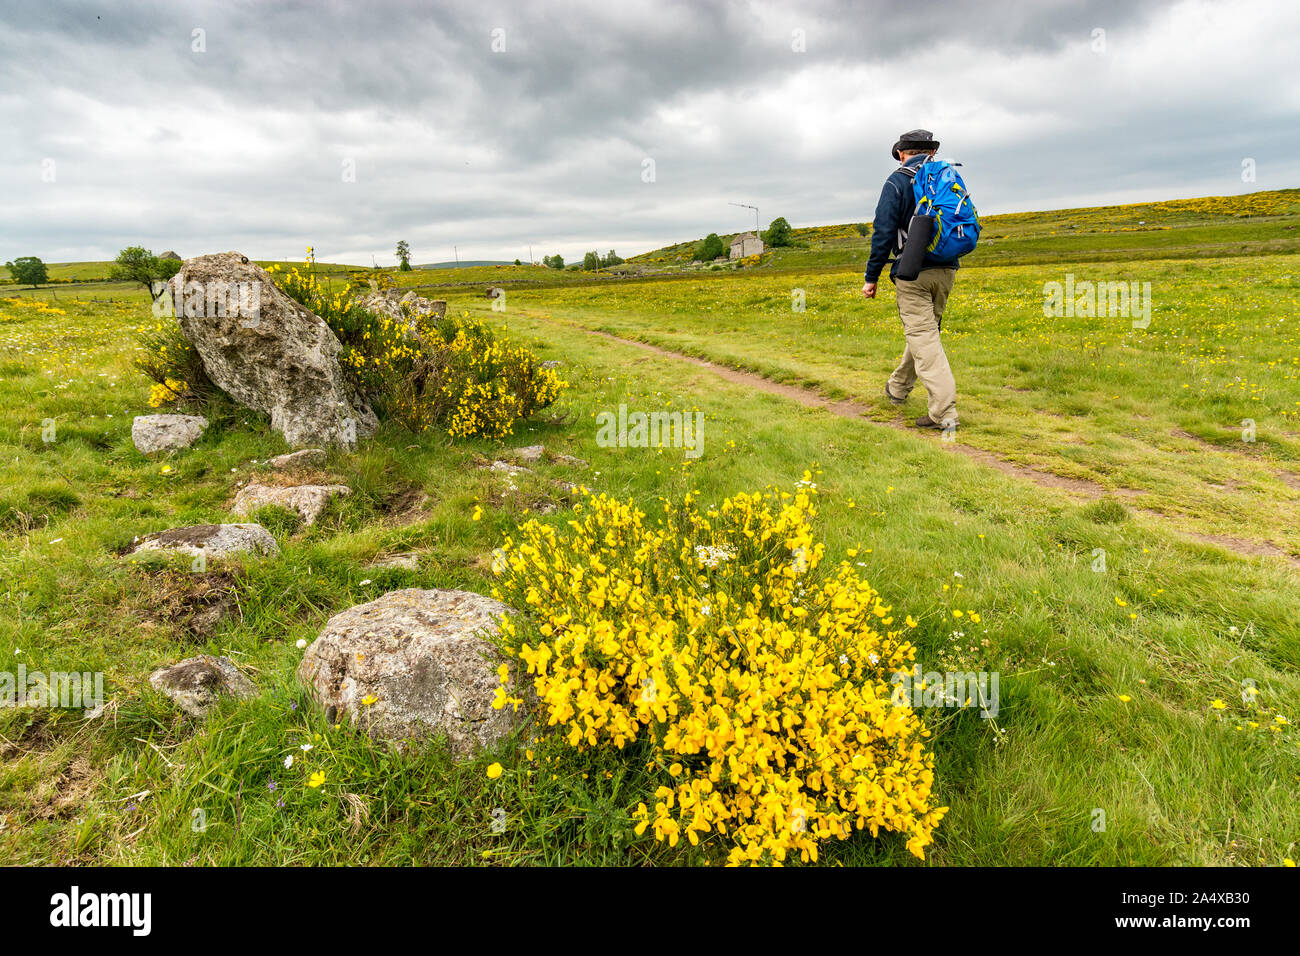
column 759, row 678
column 430, row 370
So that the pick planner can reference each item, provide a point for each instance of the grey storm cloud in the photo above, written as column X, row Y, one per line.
column 206, row 127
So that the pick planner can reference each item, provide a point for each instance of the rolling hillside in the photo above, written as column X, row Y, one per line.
column 1252, row 224
column 1259, row 223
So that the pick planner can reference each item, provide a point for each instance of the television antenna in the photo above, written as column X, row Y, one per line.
column 748, row 206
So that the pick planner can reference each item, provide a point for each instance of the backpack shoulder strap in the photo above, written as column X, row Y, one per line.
column 910, row 173
column 900, row 237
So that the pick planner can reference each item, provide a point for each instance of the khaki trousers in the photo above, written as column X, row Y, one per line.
column 920, row 307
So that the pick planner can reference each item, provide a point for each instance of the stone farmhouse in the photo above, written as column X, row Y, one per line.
column 745, row 244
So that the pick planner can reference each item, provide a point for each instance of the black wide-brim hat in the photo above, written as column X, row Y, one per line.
column 918, row 140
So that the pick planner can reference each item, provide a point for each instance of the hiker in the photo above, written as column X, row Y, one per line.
column 920, row 300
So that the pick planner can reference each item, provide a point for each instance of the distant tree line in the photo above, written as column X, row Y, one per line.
column 133, row 264
column 591, row 261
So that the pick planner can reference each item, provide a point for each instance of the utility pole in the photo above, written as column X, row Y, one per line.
column 748, row 206
column 456, row 252
column 530, row 253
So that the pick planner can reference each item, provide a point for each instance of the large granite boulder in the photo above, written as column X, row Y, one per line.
column 153, row 433
column 308, row 500
column 413, row 664
column 268, row 352
column 196, row 683
column 210, row 540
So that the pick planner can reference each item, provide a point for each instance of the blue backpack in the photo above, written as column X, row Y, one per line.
column 938, row 190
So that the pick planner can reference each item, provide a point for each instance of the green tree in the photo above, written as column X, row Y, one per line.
column 553, row 262
column 137, row 264
column 404, row 256
column 28, row 270
column 778, row 233
column 864, row 228
column 710, row 248
column 613, row 259
column 591, row 261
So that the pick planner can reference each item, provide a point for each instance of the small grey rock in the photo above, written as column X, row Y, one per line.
column 196, row 683
column 153, row 433
column 529, row 453
column 509, row 469
column 213, row 540
column 571, row 460
column 307, row 458
column 308, row 500
column 408, row 562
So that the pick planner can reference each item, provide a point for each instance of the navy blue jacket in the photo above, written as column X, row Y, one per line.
column 894, row 213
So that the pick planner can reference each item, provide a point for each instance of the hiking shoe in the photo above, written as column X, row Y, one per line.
column 890, row 395
column 947, row 426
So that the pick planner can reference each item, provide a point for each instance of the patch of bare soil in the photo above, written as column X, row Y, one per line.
column 1254, row 549
column 194, row 601
column 1237, row 447
column 1289, row 479
column 62, row 796
column 1227, row 485
column 405, row 507
column 34, row 737
column 1044, row 479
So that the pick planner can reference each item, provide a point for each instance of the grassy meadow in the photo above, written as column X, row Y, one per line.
column 1122, row 675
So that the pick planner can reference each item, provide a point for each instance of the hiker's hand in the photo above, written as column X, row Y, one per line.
column 869, row 290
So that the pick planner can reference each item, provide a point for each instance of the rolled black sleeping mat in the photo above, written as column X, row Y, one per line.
column 919, row 233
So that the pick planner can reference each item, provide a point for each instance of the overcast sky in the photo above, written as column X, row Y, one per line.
column 235, row 125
